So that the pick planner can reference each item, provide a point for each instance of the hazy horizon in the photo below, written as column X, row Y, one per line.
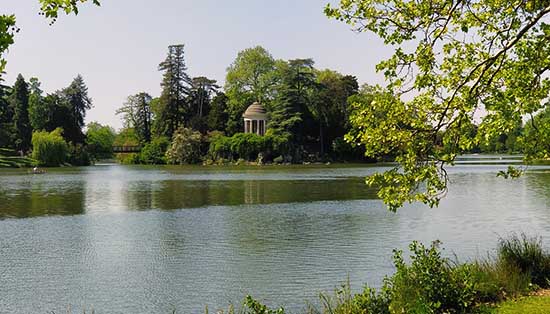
column 117, row 47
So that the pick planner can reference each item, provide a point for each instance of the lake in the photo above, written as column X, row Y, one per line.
column 139, row 239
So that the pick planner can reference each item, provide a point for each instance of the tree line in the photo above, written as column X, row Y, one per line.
column 307, row 111
column 194, row 119
column 29, row 119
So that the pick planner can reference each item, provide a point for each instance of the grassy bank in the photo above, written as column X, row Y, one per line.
column 536, row 304
column 427, row 282
column 10, row 159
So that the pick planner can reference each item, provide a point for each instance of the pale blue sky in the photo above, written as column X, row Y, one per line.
column 118, row 46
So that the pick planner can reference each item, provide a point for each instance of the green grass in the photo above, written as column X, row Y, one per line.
column 528, row 305
column 10, row 159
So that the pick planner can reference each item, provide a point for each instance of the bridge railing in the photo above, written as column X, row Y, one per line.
column 126, row 149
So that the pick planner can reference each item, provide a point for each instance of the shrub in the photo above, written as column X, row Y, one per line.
column 128, row 158
column 370, row 301
column 49, row 149
column 344, row 302
column 430, row 284
column 253, row 306
column 220, row 147
column 155, row 151
column 185, row 148
column 246, row 146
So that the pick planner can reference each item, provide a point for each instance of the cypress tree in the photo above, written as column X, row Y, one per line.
column 20, row 104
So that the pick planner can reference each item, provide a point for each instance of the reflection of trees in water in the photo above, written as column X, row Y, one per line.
column 539, row 183
column 139, row 195
column 176, row 194
column 50, row 197
column 34, row 198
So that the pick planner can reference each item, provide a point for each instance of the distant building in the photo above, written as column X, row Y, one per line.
column 255, row 119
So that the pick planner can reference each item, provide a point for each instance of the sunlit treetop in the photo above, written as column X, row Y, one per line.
column 453, row 61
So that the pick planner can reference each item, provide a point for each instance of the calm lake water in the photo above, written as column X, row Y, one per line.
column 126, row 239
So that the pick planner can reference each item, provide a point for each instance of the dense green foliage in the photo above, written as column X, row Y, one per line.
column 176, row 87
column 78, row 102
column 536, row 136
column 137, row 115
column 6, row 118
column 20, row 104
column 249, row 78
column 307, row 109
column 49, row 148
column 154, row 153
column 218, row 116
column 24, row 109
column 185, row 147
column 100, row 140
column 245, row 146
column 453, row 61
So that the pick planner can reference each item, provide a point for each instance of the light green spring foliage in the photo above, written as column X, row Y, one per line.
column 453, row 60
column 249, row 78
column 49, row 148
column 49, row 8
column 100, row 139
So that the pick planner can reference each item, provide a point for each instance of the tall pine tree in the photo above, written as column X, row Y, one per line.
column 20, row 104
column 78, row 101
column 173, row 105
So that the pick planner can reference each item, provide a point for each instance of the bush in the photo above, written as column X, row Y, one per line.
column 370, row 301
column 253, row 306
column 246, row 146
column 429, row 284
column 185, row 148
column 128, row 158
column 344, row 302
column 155, row 151
column 49, row 149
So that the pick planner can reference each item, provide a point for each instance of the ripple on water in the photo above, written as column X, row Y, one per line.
column 141, row 241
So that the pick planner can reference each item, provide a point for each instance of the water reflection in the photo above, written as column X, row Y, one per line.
column 119, row 189
column 283, row 235
column 30, row 198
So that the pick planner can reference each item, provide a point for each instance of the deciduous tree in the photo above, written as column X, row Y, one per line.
column 250, row 78
column 452, row 59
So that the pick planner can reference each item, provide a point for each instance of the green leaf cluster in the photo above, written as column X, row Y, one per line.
column 454, row 62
